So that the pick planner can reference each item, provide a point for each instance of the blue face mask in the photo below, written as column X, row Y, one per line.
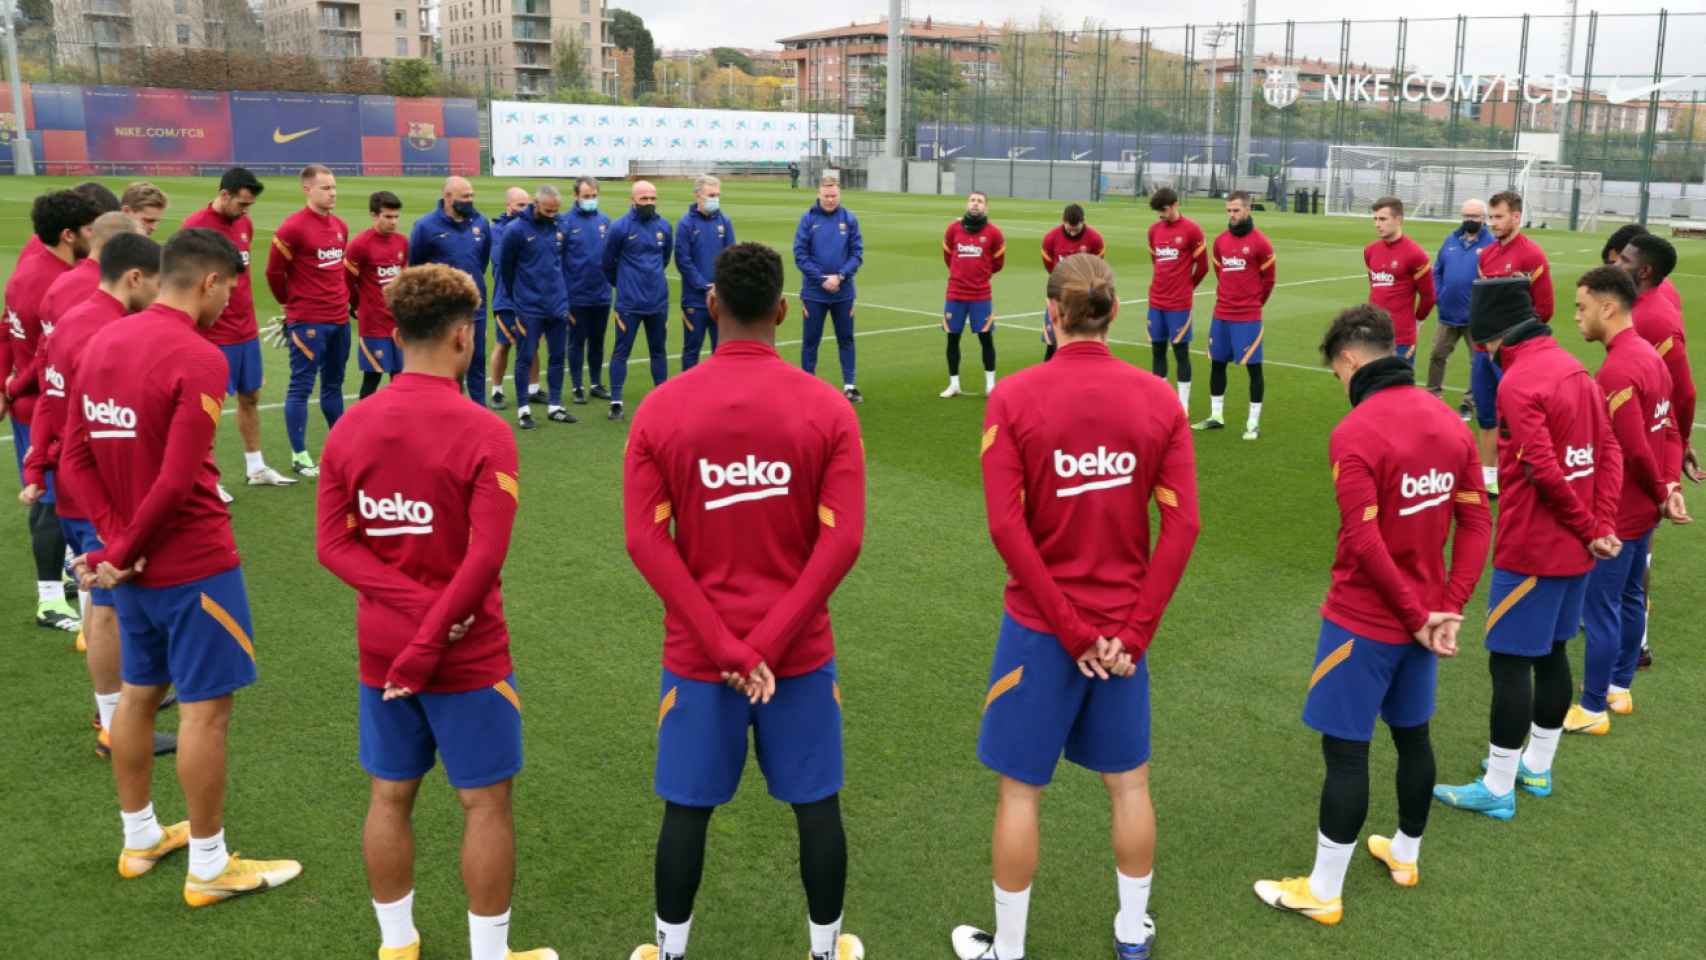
column 589, row 205
column 713, row 204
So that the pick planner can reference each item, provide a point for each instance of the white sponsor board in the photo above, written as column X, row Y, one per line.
column 572, row 139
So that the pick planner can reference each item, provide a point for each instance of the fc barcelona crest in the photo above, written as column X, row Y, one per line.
column 1279, row 87
column 422, row 135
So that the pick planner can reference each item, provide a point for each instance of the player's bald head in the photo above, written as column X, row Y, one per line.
column 643, row 192
column 108, row 226
column 515, row 195
column 458, row 188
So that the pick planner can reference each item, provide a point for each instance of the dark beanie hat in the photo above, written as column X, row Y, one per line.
column 1497, row 304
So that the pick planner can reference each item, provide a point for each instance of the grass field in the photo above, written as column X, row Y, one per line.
column 1609, row 864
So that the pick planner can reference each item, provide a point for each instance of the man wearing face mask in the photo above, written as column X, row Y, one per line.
column 702, row 232
column 1244, row 279
column 532, row 266
column 503, row 308
column 458, row 235
column 589, row 292
column 975, row 251
column 636, row 249
column 1454, row 273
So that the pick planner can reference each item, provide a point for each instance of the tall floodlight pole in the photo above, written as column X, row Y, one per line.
column 1216, row 37
column 891, row 112
column 23, row 164
column 1246, row 73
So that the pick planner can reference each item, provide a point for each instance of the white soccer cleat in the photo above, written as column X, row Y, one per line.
column 952, row 391
column 224, row 495
column 970, row 943
column 268, row 477
column 1252, row 432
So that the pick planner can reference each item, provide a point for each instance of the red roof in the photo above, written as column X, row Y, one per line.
column 927, row 29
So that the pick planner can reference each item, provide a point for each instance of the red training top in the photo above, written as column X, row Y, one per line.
column 59, row 371
column 1073, row 451
column 305, row 268
column 1180, row 255
column 762, row 469
column 1660, row 324
column 1057, row 246
column 37, row 268
column 1401, row 282
column 138, row 447
column 67, row 290
column 420, row 528
column 1244, row 270
column 1399, row 492
column 1560, row 468
column 237, row 324
column 372, row 262
column 1638, row 391
column 972, row 259
column 1521, row 257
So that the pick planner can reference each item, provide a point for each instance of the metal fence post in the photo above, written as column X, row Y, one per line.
column 1649, row 140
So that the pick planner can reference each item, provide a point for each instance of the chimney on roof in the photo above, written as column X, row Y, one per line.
column 928, row 21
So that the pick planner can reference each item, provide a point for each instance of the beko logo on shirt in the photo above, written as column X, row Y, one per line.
column 1435, row 485
column 771, row 477
column 114, row 422
column 1381, row 278
column 1661, row 413
column 415, row 516
column 1166, row 253
column 1233, row 263
column 387, row 274
column 330, row 258
column 1579, row 461
column 1100, row 470
column 54, row 379
column 969, row 250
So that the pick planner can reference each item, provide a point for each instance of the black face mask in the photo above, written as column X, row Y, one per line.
column 463, row 208
column 1471, row 227
column 645, row 211
column 1242, row 228
column 974, row 221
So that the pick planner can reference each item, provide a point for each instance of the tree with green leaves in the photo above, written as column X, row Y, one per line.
column 569, row 60
column 410, row 78
column 729, row 56
column 629, row 32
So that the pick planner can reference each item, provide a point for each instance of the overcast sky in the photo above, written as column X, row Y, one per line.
column 1625, row 45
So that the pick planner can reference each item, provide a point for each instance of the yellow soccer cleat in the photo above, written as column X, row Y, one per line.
column 847, row 947
column 82, row 644
column 1403, row 874
column 543, row 953
column 1620, row 701
column 645, row 951
column 135, row 863
column 1292, row 894
column 1587, row 721
column 410, row 952
column 239, row 877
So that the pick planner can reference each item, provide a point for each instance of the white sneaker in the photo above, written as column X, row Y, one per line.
column 268, row 477
column 1252, row 431
column 970, row 943
column 952, row 391
column 225, row 495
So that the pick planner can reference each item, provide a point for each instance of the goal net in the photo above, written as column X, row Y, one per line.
column 1434, row 182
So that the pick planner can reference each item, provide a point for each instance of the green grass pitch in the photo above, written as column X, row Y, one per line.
column 1609, row 863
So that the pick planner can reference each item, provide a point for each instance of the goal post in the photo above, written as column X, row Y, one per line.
column 1433, row 182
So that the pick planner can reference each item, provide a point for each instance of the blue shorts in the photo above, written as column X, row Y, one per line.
column 1048, row 325
column 1039, row 706
column 1527, row 615
column 195, row 636
column 318, row 348
column 1171, row 326
column 379, row 355
column 1357, row 679
column 981, row 313
column 20, row 445
column 81, row 537
column 1405, row 352
column 243, row 365
column 1235, row 341
column 507, row 332
column 477, row 732
column 702, row 739
column 1484, row 377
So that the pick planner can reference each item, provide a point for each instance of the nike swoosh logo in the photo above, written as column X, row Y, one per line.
column 949, row 153
column 1080, row 156
column 1615, row 96
column 279, row 136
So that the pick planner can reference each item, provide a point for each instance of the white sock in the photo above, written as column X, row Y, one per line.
column 823, row 937
column 988, row 381
column 1542, row 745
column 1489, row 476
column 672, row 938
column 1012, row 910
column 1134, row 903
column 1185, row 395
column 1216, row 407
column 523, row 410
column 208, row 856
column 849, row 386
column 1327, row 880
column 106, row 704
column 1255, row 415
column 534, row 387
column 47, row 591
column 553, row 408
column 1405, row 848
column 254, row 461
column 488, row 937
column 497, row 389
column 141, row 830
column 83, row 598
column 1612, row 688
column 1500, row 777
column 396, row 922
column 954, row 381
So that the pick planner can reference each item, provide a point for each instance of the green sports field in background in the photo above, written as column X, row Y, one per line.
column 1610, row 864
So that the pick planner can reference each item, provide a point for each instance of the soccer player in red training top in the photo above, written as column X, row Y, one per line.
column 305, row 270
column 63, row 224
column 398, row 507
column 1074, row 450
column 1072, row 236
column 1400, row 278
column 1512, row 254
column 1560, row 477
column 138, row 450
column 974, row 251
column 235, row 332
column 1179, row 253
column 1244, row 273
column 130, row 267
column 374, row 260
column 1637, row 390
column 1393, row 608
column 761, row 469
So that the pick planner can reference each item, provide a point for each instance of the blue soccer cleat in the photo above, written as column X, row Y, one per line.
column 1476, row 798
column 1142, row 950
column 1535, row 784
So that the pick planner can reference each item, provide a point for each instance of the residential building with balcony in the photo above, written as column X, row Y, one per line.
column 82, row 26
column 345, row 29
column 514, row 47
column 839, row 66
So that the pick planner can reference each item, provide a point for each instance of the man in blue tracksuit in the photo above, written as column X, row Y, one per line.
column 503, row 309
column 1455, row 270
column 531, row 266
column 589, row 292
column 702, row 232
column 636, row 250
column 828, row 251
column 458, row 235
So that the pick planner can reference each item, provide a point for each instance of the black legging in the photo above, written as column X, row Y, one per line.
column 370, row 383
column 985, row 340
column 1181, row 359
column 1528, row 689
column 47, row 542
column 1217, row 380
column 681, row 859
